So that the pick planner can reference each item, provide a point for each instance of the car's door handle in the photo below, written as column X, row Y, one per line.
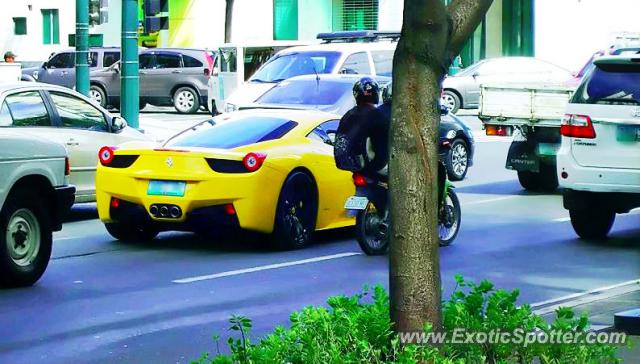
column 176, row 71
column 72, row 143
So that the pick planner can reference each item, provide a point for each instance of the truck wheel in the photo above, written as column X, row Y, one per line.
column 548, row 177
column 127, row 232
column 528, row 180
column 186, row 100
column 592, row 224
column 25, row 240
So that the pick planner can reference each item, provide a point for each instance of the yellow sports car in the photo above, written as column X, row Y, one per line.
column 269, row 171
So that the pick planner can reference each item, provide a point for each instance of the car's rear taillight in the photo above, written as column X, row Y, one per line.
column 106, row 154
column 577, row 126
column 253, row 161
column 359, row 180
column 67, row 167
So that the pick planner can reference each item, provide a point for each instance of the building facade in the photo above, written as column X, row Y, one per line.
column 565, row 32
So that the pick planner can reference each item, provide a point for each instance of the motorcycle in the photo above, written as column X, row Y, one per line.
column 370, row 207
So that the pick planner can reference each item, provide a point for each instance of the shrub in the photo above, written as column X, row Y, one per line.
column 357, row 329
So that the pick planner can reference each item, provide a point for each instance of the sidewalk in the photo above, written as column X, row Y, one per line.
column 601, row 313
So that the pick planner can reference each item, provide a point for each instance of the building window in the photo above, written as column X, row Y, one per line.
column 50, row 26
column 285, row 19
column 20, row 26
column 359, row 14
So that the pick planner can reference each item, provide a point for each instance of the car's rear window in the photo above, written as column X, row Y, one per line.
column 235, row 133
column 306, row 92
column 612, row 84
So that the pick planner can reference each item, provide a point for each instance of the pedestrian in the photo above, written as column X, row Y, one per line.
column 10, row 57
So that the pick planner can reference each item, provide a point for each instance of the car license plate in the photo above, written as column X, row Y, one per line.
column 628, row 133
column 166, row 188
column 356, row 203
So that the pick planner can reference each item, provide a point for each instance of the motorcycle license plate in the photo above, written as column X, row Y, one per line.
column 356, row 203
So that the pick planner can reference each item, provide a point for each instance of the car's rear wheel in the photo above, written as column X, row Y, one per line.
column 458, row 160
column 593, row 223
column 97, row 94
column 186, row 100
column 129, row 232
column 25, row 240
column 451, row 100
column 296, row 212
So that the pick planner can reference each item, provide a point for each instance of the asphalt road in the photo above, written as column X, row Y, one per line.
column 104, row 301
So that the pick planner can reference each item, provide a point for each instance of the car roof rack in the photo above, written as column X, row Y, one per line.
column 357, row 36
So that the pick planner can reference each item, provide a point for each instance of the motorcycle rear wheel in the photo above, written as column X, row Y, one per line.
column 372, row 231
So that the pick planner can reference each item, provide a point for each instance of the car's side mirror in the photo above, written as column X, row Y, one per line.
column 117, row 124
column 45, row 65
column 475, row 74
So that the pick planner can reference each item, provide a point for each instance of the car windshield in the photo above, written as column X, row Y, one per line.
column 295, row 64
column 308, row 92
column 614, row 84
column 231, row 134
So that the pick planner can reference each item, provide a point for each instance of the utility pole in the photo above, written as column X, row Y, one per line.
column 129, row 78
column 82, row 46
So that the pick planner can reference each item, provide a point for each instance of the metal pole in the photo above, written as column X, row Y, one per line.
column 82, row 46
column 129, row 79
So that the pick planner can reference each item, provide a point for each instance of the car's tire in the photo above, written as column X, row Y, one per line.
column 142, row 105
column 126, row 232
column 457, row 161
column 451, row 100
column 186, row 100
column 296, row 212
column 25, row 239
column 593, row 223
column 97, row 94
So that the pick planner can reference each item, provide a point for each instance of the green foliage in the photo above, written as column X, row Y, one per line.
column 357, row 329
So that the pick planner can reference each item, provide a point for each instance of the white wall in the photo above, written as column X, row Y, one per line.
column 390, row 15
column 568, row 32
column 30, row 47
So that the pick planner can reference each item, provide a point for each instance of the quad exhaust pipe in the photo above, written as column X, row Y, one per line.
column 165, row 211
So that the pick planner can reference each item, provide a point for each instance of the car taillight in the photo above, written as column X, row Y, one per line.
column 253, row 161
column 577, row 126
column 67, row 167
column 105, row 155
column 359, row 180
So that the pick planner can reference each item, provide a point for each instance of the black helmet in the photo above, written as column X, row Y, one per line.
column 387, row 92
column 366, row 90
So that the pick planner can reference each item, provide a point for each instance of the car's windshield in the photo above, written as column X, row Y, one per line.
column 235, row 133
column 309, row 92
column 295, row 64
column 615, row 84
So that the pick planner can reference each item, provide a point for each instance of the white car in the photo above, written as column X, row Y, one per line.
column 599, row 161
column 64, row 116
column 339, row 55
column 34, row 198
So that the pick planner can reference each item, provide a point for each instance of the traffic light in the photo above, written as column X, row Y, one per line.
column 156, row 15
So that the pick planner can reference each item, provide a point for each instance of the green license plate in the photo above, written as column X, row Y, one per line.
column 628, row 133
column 166, row 188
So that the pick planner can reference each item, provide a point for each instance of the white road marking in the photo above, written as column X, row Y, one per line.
column 490, row 200
column 582, row 298
column 562, row 219
column 265, row 267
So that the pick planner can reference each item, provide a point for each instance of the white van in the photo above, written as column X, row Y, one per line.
column 228, row 74
column 361, row 52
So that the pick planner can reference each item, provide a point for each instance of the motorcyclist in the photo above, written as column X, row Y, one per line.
column 362, row 137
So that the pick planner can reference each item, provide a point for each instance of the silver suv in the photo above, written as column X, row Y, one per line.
column 60, row 68
column 168, row 76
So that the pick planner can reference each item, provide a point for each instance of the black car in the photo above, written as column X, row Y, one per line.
column 333, row 93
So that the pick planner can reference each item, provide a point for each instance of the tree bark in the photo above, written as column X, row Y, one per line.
column 432, row 34
column 228, row 21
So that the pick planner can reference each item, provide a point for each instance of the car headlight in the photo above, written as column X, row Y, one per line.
column 230, row 108
column 451, row 134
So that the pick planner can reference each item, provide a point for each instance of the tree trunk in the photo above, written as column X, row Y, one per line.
column 228, row 21
column 432, row 34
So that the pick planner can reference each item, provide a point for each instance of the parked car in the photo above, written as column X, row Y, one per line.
column 34, row 197
column 599, row 161
column 363, row 53
column 270, row 171
column 60, row 69
column 588, row 66
column 333, row 93
column 168, row 77
column 462, row 91
column 67, row 117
